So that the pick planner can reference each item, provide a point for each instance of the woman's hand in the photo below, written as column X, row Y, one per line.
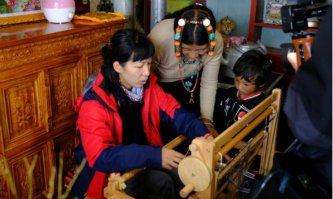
column 212, row 130
column 171, row 158
column 210, row 137
column 210, row 127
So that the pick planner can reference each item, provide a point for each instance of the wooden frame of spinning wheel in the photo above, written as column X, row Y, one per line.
column 197, row 171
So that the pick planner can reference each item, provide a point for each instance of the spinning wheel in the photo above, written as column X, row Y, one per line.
column 205, row 154
column 198, row 172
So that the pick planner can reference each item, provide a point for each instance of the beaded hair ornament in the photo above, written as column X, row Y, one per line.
column 211, row 46
column 179, row 31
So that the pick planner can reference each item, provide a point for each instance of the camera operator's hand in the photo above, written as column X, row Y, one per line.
column 292, row 58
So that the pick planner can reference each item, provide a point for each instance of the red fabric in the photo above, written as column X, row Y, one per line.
column 95, row 135
column 97, row 185
column 78, row 102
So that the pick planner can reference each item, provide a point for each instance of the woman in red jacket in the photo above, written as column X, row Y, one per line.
column 119, row 122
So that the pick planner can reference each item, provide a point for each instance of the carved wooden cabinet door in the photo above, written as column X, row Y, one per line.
column 24, row 112
column 41, row 172
column 66, row 145
column 94, row 63
column 63, row 91
column 4, row 190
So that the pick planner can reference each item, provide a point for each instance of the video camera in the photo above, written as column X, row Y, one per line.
column 296, row 16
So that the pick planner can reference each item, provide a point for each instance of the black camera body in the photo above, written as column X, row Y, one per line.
column 295, row 17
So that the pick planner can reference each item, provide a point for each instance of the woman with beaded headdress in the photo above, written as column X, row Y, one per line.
column 187, row 60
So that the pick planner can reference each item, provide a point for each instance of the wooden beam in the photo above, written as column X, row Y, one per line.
column 252, row 20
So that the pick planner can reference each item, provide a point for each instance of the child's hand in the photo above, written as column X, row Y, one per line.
column 227, row 158
column 171, row 158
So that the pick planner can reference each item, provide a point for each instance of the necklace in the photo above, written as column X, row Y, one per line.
column 187, row 85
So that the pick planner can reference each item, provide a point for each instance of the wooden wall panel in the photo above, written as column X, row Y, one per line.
column 40, row 174
column 64, row 91
column 22, row 113
column 94, row 63
column 4, row 191
column 66, row 145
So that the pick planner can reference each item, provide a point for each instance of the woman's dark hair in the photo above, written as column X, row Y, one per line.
column 125, row 45
column 195, row 34
column 253, row 65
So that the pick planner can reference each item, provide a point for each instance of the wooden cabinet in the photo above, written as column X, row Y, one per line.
column 41, row 75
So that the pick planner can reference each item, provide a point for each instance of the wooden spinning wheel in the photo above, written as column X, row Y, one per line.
column 198, row 172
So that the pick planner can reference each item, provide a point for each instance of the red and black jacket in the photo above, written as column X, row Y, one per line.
column 99, row 130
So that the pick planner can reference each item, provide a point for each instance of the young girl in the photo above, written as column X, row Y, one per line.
column 119, row 121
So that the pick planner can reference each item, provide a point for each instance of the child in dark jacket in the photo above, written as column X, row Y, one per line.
column 252, row 71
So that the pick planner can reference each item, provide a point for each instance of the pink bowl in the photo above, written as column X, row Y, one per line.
column 58, row 3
